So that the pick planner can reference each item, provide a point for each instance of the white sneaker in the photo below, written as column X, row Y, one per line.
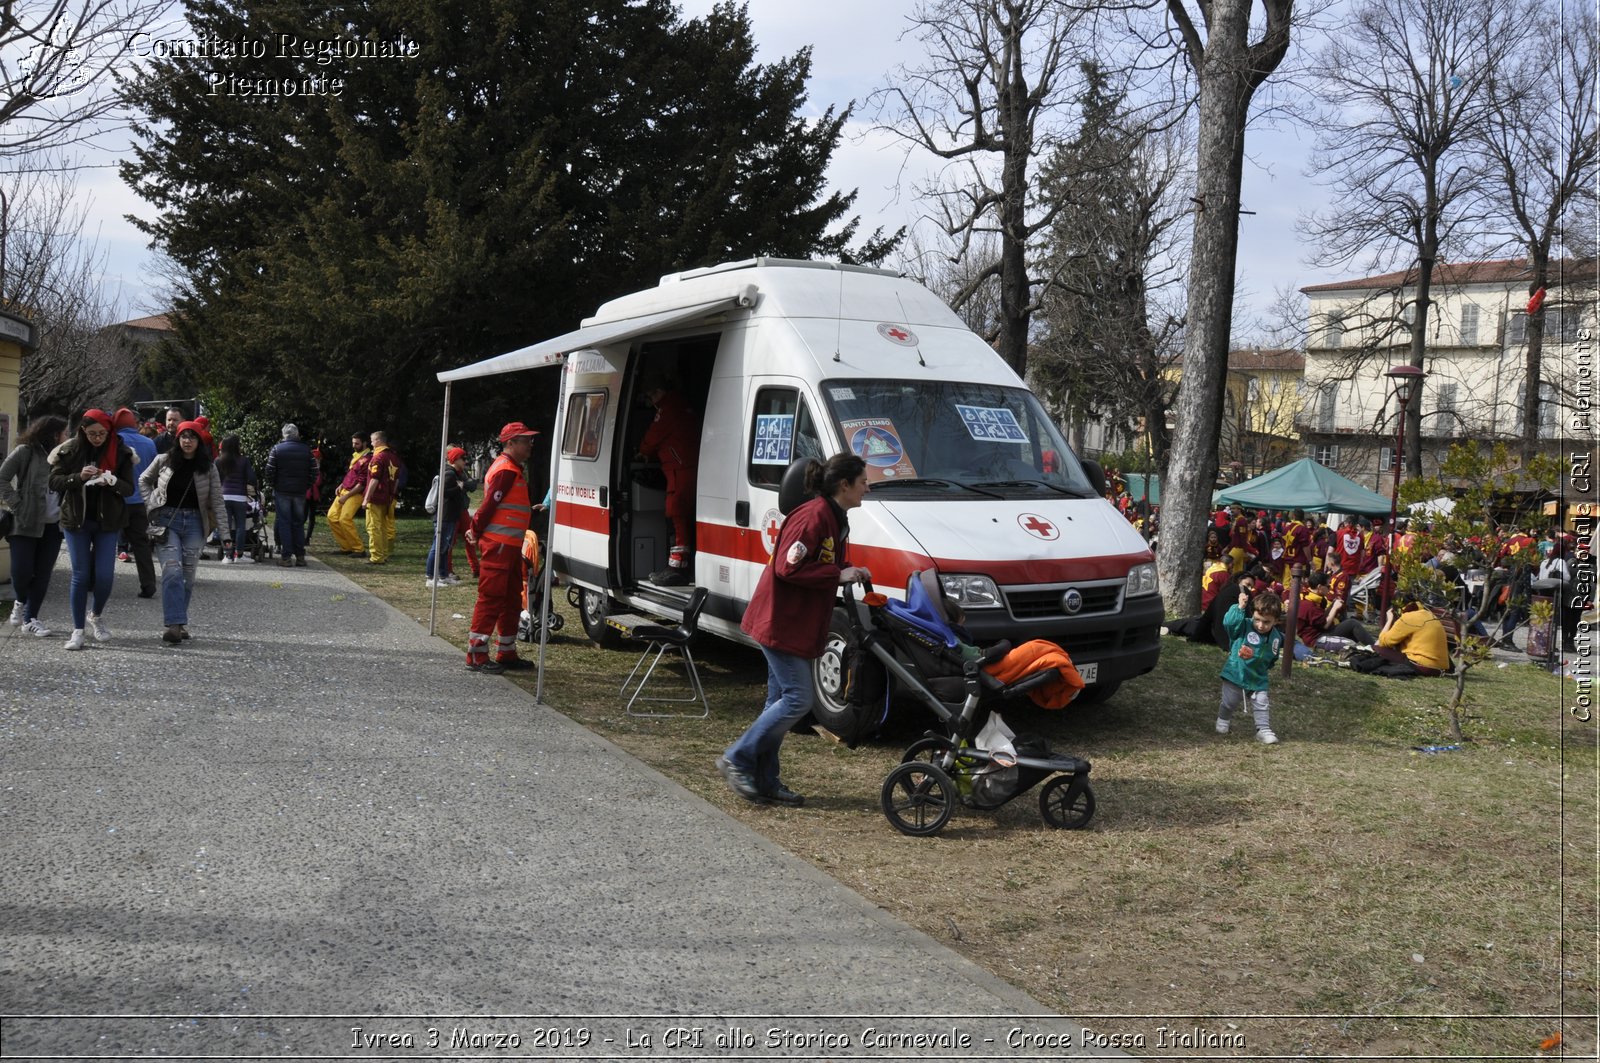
column 426, row 582
column 36, row 627
column 245, row 559
column 98, row 627
column 451, row 579
column 1223, row 726
column 75, row 640
column 19, row 613
column 226, row 560
column 1266, row 737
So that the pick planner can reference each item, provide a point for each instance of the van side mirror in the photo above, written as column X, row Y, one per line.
column 792, row 488
column 1097, row 475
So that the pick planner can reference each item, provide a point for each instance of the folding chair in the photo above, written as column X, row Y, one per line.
column 660, row 639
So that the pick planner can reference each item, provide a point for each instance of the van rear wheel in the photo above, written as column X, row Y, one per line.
column 829, row 672
column 593, row 610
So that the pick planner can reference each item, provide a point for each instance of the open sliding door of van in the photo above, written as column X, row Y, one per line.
column 582, row 539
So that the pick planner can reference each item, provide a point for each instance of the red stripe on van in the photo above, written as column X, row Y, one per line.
column 583, row 518
column 891, row 567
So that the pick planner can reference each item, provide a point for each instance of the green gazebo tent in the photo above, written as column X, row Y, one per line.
column 1306, row 485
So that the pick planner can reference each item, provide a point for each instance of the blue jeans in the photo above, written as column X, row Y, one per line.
column 32, row 558
column 290, row 526
column 447, row 537
column 180, row 557
column 238, row 519
column 94, row 565
column 789, row 694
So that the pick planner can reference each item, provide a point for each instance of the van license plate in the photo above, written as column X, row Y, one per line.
column 1089, row 672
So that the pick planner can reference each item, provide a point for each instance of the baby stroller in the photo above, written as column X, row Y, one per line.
column 915, row 644
column 255, row 545
column 533, row 603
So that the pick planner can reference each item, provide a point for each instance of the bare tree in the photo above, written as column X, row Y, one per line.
column 1112, row 312
column 52, row 275
column 1231, row 60
column 1540, row 139
column 1407, row 85
column 59, row 67
column 948, row 272
column 995, row 70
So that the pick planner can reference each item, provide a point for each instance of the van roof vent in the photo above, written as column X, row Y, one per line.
column 766, row 262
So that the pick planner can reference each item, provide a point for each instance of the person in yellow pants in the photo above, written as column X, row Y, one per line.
column 347, row 497
column 383, row 475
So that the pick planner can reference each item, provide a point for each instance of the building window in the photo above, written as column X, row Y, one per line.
column 1444, row 405
column 1328, row 408
column 1549, row 408
column 1334, row 336
column 1469, row 324
column 1517, row 330
column 1326, row 454
column 1386, row 459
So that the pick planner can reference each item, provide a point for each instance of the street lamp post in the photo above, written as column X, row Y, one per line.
column 1407, row 382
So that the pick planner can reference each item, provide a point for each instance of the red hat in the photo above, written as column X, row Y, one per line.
column 453, row 453
column 192, row 426
column 515, row 429
column 124, row 418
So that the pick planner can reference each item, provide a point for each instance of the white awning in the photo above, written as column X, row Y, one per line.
column 551, row 352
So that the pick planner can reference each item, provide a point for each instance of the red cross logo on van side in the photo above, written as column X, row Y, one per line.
column 1037, row 526
column 771, row 522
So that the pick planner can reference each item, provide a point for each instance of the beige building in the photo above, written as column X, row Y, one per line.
column 1475, row 364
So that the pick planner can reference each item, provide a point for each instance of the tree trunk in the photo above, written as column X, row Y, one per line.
column 1191, row 466
column 1533, row 363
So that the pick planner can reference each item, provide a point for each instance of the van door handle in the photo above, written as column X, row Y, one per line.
column 603, row 498
column 741, row 514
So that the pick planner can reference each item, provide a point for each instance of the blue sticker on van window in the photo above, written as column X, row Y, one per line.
column 993, row 424
column 774, row 442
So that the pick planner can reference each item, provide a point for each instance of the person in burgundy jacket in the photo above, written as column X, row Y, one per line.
column 789, row 614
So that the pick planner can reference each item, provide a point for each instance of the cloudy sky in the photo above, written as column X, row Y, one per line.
column 855, row 47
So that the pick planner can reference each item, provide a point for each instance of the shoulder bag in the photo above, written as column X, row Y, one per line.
column 158, row 532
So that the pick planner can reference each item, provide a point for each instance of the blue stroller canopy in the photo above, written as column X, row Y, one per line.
column 922, row 612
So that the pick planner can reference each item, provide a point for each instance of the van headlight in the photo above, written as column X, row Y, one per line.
column 1142, row 580
column 971, row 592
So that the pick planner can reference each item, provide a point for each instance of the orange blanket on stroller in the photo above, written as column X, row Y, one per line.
column 1031, row 656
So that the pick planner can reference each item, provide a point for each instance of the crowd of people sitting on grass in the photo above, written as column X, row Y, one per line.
column 1263, row 553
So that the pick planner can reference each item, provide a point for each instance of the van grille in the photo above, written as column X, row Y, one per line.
column 1045, row 603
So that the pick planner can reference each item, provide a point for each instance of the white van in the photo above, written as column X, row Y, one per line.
column 789, row 360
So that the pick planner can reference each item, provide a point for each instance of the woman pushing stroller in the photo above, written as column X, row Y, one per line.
column 788, row 617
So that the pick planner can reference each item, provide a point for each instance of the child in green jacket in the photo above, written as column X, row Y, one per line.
column 1256, row 643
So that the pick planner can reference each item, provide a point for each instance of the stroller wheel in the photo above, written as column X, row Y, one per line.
column 918, row 798
column 1063, row 809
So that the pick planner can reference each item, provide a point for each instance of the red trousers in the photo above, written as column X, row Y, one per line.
column 499, row 606
column 680, row 506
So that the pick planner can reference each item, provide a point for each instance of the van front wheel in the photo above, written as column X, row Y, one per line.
column 829, row 673
column 593, row 610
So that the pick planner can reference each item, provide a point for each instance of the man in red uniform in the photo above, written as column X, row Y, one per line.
column 674, row 440
column 503, row 516
column 1348, row 548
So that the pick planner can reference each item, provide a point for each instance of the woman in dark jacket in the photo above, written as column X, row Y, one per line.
column 453, row 502
column 93, row 472
column 36, row 534
column 238, row 488
column 788, row 616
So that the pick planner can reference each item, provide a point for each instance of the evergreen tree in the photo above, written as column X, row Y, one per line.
column 516, row 165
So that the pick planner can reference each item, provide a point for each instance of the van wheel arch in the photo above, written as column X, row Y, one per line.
column 829, row 708
column 593, row 608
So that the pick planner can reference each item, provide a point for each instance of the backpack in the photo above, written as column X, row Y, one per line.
column 431, row 503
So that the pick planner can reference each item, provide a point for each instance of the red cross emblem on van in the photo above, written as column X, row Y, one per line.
column 898, row 334
column 1038, row 527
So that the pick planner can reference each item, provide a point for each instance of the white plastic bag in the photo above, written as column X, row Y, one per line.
column 996, row 736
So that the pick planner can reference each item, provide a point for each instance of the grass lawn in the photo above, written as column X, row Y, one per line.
column 1341, row 892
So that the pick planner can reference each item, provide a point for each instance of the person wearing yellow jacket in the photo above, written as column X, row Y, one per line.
column 347, row 497
column 383, row 486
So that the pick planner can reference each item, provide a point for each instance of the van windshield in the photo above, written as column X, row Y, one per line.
column 947, row 439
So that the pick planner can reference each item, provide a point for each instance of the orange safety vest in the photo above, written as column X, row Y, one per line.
column 514, row 512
